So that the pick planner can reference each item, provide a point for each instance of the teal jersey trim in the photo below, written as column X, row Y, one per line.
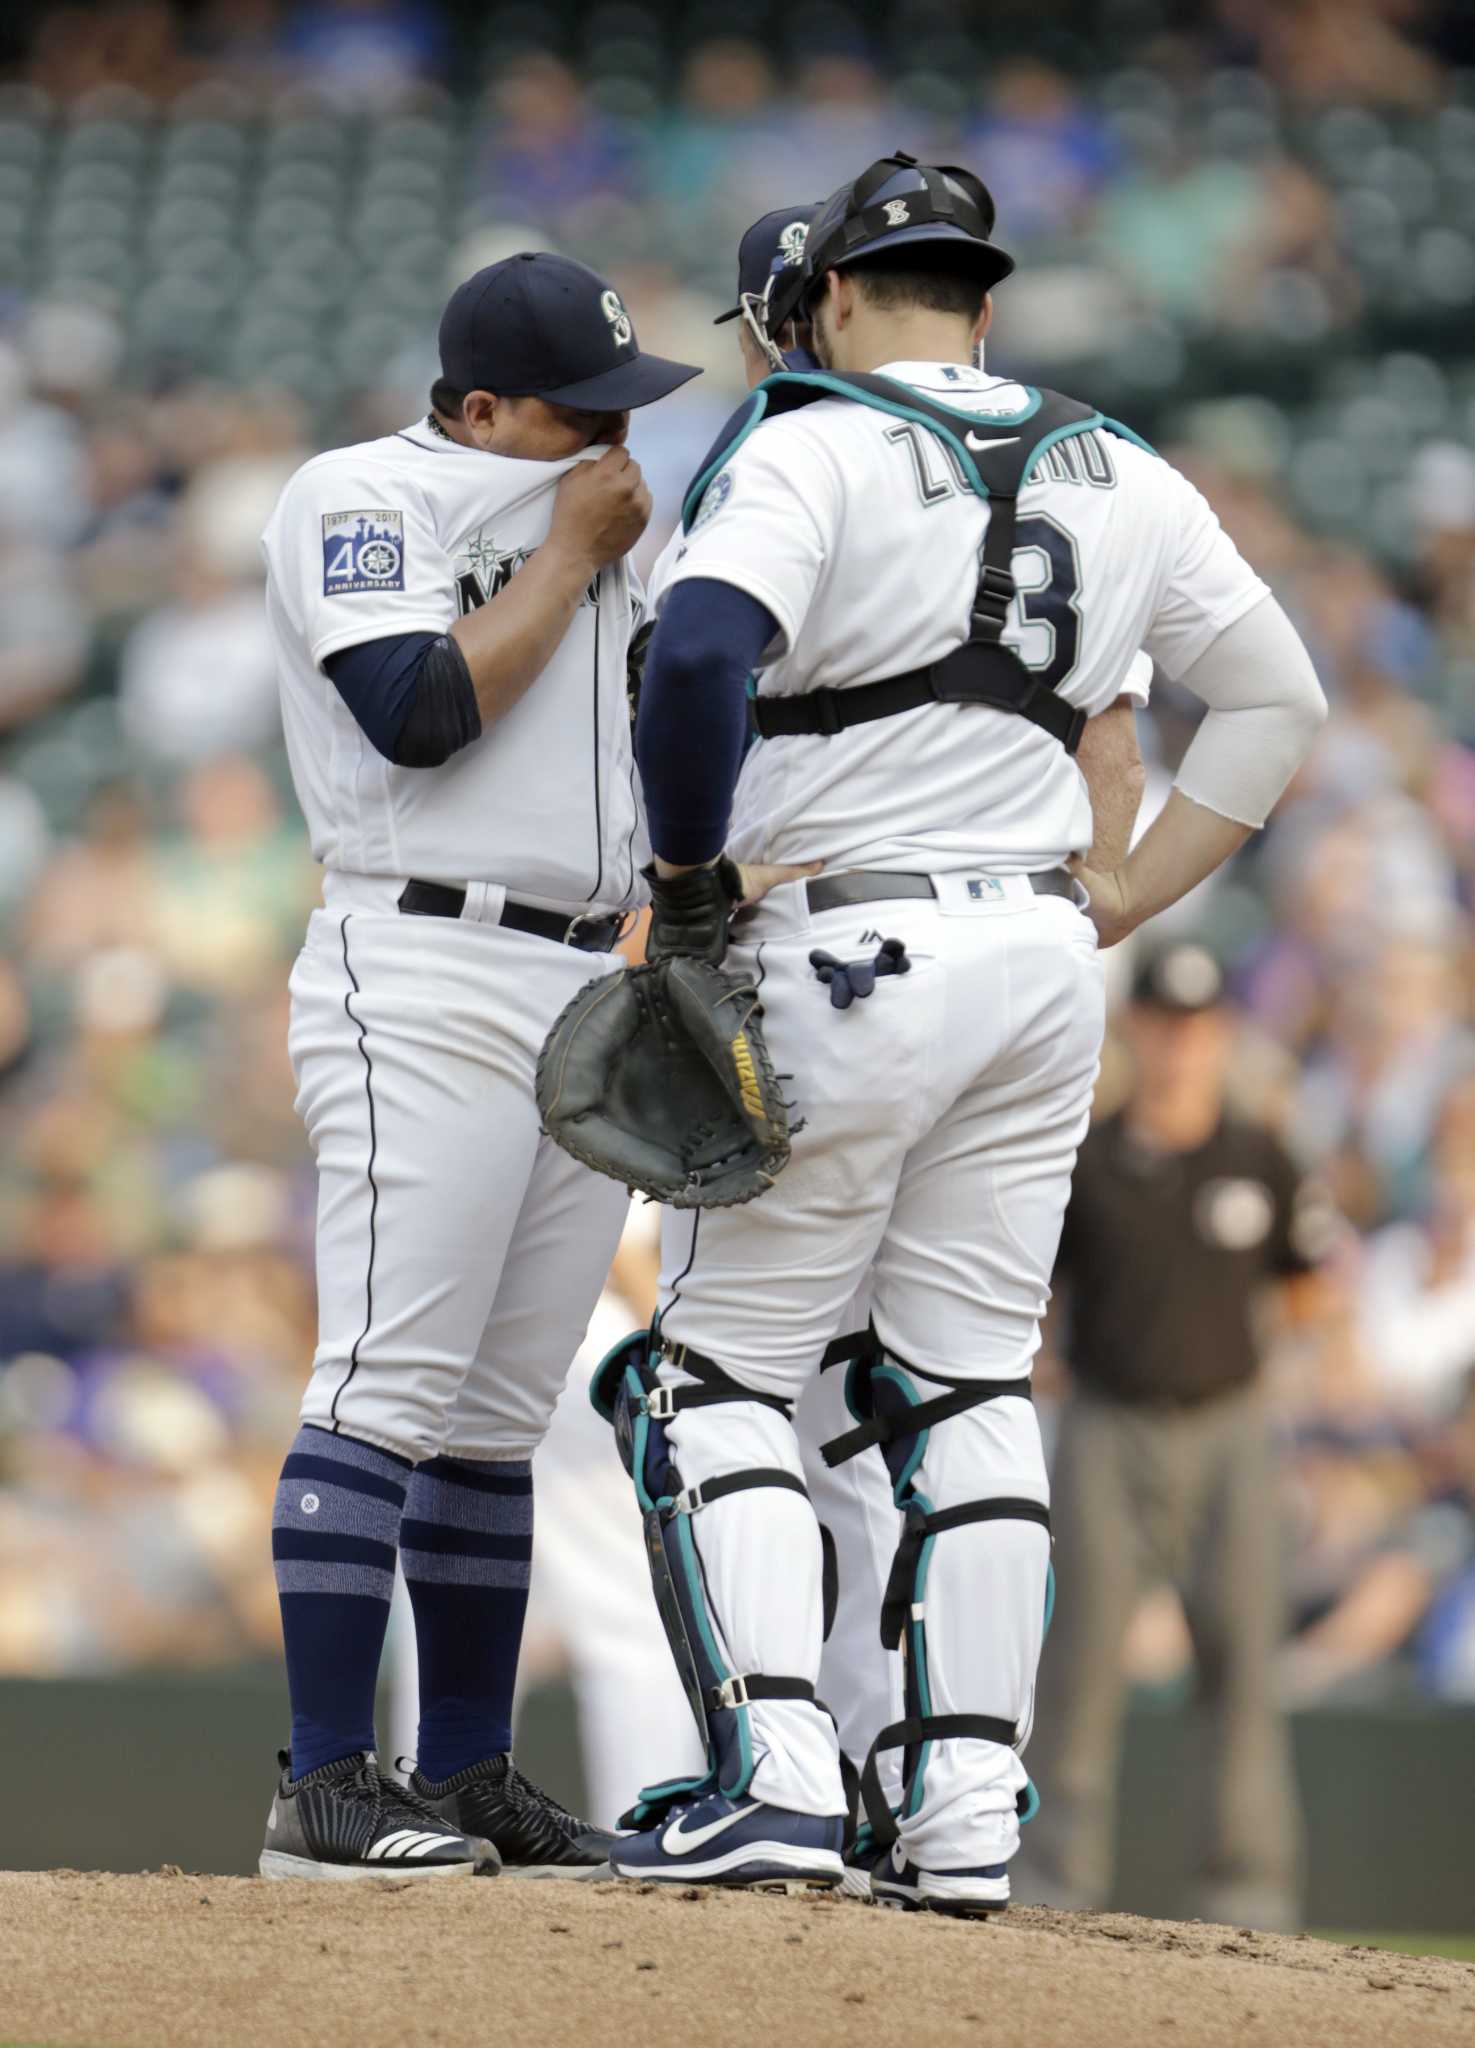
column 1064, row 433
column 823, row 381
column 1115, row 427
column 692, row 501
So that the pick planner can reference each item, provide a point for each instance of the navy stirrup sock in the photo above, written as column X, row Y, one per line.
column 467, row 1547
column 333, row 1538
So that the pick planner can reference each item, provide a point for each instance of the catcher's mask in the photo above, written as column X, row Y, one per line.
column 895, row 204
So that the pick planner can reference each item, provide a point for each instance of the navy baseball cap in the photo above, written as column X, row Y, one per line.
column 538, row 325
column 772, row 244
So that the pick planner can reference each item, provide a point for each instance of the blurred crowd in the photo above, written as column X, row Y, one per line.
column 1219, row 234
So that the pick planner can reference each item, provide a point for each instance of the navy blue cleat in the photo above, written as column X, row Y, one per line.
column 736, row 1842
column 967, row 1894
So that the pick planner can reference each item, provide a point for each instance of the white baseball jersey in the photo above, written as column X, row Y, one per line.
column 406, row 534
column 853, row 529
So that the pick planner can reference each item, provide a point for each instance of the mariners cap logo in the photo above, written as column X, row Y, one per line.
column 618, row 318
column 791, row 244
column 898, row 213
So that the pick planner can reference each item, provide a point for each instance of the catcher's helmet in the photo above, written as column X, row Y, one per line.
column 894, row 204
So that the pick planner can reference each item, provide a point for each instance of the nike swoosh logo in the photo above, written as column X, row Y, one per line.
column 677, row 1841
column 971, row 440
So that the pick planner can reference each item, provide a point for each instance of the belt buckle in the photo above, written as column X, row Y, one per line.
column 589, row 917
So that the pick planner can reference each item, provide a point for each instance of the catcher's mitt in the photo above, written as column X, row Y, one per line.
column 659, row 1076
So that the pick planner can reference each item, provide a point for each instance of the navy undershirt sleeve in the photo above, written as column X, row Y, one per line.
column 692, row 731
column 411, row 694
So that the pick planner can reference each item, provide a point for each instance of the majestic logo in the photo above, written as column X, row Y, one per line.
column 363, row 551
column 898, row 213
column 747, row 1073
column 791, row 244
column 618, row 318
column 679, row 1840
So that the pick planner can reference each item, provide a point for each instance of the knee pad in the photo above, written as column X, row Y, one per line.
column 896, row 1408
column 627, row 1392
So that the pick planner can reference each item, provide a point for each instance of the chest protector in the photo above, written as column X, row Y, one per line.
column 994, row 454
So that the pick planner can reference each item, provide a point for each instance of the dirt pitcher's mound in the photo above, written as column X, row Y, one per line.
column 171, row 1961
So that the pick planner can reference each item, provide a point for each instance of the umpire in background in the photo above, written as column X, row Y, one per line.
column 1181, row 1213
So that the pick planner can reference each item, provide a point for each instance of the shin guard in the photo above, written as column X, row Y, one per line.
column 895, row 1408
column 628, row 1394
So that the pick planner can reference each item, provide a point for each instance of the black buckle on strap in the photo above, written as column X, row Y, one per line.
column 691, row 1498
column 995, row 594
column 738, row 1692
column 716, row 1386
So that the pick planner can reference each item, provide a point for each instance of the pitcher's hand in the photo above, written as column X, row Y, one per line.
column 601, row 509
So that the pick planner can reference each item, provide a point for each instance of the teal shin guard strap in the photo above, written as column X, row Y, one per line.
column 905, row 1735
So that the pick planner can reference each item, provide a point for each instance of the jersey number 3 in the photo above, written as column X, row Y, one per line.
column 1048, row 579
column 1047, row 573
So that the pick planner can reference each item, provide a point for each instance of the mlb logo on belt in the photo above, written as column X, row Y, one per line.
column 363, row 551
column 983, row 888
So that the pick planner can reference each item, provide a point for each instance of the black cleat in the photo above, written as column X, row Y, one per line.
column 533, row 1834
column 348, row 1820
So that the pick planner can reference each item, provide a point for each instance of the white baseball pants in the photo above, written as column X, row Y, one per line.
column 459, row 1252
column 942, row 1117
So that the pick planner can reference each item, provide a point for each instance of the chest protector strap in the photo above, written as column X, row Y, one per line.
column 994, row 455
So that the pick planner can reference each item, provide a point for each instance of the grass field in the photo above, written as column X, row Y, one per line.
column 1460, row 1947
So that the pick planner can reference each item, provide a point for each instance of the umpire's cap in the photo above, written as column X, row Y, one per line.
column 1181, row 977
column 771, row 246
column 896, row 203
column 538, row 325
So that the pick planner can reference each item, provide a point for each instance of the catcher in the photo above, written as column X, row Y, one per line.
column 939, row 576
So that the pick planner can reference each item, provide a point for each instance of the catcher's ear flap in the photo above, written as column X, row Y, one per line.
column 605, row 1385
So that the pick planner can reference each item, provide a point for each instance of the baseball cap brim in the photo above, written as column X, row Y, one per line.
column 641, row 381
column 993, row 262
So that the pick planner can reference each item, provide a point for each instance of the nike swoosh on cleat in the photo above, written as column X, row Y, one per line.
column 971, row 440
column 677, row 1842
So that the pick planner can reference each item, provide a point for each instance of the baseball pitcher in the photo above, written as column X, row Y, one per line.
column 452, row 612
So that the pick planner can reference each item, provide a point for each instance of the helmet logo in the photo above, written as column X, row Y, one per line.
column 791, row 244
column 898, row 213
column 618, row 318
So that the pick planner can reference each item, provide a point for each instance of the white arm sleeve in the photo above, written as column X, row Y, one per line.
column 1265, row 707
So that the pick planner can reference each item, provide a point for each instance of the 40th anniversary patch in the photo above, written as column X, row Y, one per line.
column 363, row 551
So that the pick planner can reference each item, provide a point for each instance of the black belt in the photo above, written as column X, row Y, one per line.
column 588, row 934
column 874, row 885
